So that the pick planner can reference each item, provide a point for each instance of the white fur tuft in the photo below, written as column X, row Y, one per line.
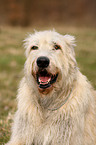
column 70, row 40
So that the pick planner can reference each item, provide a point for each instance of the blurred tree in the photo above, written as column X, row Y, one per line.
column 26, row 12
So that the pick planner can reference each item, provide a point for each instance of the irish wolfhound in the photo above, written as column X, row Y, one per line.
column 56, row 103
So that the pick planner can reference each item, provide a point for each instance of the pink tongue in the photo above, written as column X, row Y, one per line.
column 44, row 79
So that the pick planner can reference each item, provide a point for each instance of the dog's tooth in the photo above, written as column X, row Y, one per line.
column 48, row 80
column 40, row 80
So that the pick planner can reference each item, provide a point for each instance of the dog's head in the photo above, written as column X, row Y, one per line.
column 50, row 60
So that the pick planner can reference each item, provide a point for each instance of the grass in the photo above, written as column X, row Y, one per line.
column 12, row 60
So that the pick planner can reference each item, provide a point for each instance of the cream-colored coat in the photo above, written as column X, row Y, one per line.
column 43, row 117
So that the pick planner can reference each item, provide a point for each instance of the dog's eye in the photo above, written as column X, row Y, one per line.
column 34, row 47
column 57, row 47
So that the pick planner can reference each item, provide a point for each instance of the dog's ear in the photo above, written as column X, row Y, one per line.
column 26, row 44
column 69, row 40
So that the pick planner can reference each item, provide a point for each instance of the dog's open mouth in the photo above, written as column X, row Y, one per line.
column 45, row 79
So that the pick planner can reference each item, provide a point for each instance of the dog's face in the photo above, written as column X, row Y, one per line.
column 50, row 60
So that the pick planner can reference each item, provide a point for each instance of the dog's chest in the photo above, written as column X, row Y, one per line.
column 54, row 131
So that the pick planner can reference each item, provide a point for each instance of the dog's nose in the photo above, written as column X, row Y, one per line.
column 43, row 62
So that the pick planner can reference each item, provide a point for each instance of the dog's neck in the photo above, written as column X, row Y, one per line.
column 56, row 101
column 63, row 102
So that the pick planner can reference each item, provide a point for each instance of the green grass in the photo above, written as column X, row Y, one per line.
column 12, row 60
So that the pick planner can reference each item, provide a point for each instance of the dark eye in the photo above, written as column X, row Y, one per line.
column 57, row 47
column 34, row 47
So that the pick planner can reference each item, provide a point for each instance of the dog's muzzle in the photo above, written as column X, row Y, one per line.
column 44, row 78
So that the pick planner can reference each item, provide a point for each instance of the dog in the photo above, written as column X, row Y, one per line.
column 56, row 102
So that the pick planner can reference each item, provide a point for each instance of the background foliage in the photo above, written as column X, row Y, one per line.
column 49, row 12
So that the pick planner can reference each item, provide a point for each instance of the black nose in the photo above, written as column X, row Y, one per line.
column 43, row 62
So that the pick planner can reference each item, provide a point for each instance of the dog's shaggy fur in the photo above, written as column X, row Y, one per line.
column 56, row 103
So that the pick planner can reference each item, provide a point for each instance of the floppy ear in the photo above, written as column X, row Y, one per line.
column 26, row 44
column 70, row 40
